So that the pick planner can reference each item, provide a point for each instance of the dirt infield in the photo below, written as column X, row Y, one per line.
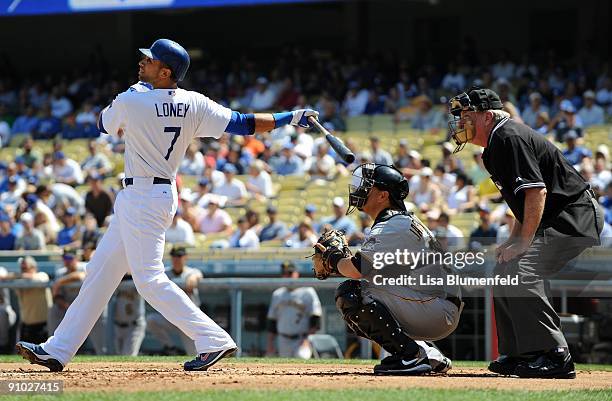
column 142, row 376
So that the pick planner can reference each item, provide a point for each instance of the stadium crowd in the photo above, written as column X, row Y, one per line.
column 48, row 199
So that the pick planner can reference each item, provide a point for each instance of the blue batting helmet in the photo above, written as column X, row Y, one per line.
column 170, row 53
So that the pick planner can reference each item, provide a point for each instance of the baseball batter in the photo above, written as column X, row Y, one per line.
column 157, row 125
column 400, row 318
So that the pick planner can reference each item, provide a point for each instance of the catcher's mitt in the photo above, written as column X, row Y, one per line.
column 330, row 247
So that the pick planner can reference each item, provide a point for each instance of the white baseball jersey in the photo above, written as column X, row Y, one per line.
column 159, row 124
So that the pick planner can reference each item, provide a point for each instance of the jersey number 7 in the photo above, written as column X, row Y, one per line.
column 177, row 132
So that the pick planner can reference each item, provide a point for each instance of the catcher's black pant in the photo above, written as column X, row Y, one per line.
column 526, row 321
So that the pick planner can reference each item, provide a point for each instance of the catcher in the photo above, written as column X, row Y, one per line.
column 400, row 318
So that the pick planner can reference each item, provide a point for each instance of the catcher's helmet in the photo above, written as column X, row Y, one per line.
column 170, row 53
column 384, row 177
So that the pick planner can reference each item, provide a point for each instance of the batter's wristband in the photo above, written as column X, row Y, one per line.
column 334, row 259
column 282, row 119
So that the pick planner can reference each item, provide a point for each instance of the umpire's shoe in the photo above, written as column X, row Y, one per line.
column 206, row 360
column 35, row 354
column 505, row 365
column 402, row 365
column 555, row 364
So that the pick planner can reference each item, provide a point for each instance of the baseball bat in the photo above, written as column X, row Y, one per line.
column 335, row 142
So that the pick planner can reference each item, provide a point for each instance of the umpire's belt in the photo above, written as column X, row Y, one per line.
column 455, row 300
column 156, row 180
column 293, row 336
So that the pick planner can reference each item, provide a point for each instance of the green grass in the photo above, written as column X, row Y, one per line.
column 334, row 395
column 181, row 359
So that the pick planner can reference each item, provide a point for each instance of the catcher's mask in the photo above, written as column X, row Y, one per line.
column 381, row 176
column 475, row 99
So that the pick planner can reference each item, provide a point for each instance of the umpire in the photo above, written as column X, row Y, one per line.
column 557, row 218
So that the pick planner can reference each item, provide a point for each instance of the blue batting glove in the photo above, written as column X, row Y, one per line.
column 300, row 117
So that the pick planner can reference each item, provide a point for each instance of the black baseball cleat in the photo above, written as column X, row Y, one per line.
column 505, row 365
column 36, row 354
column 207, row 359
column 401, row 365
column 555, row 364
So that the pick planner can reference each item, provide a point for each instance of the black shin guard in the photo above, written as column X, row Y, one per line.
column 372, row 320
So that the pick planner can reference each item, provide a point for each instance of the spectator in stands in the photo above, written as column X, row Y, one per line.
column 275, row 229
column 591, row 113
column 27, row 122
column 339, row 221
column 66, row 170
column 34, row 303
column 97, row 200
column 461, row 197
column 505, row 229
column 451, row 163
column 203, row 192
column 70, row 235
column 72, row 271
column 96, row 163
column 310, row 211
column 453, row 81
column 375, row 104
column 542, row 122
column 531, row 112
column 574, row 154
column 288, row 95
column 193, row 163
column 61, row 106
column 305, row 236
column 603, row 172
column 486, row 232
column 330, row 114
column 180, row 231
column 12, row 196
column 288, row 163
column 7, row 316
column 64, row 196
column 32, row 239
column 427, row 118
column 90, row 231
column 86, row 115
column 244, row 237
column 27, row 151
column 253, row 220
column 379, row 155
column 264, row 97
column 426, row 195
column 5, row 127
column 232, row 188
column 565, row 121
column 188, row 279
column 454, row 236
column 402, row 160
column 214, row 219
column 477, row 173
column 355, row 100
column 323, row 166
column 48, row 125
column 7, row 238
column 259, row 183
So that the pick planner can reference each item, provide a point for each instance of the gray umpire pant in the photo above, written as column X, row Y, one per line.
column 526, row 321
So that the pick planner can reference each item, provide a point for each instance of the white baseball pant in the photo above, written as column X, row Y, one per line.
column 134, row 242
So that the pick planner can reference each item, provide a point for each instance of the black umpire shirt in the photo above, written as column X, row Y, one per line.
column 517, row 157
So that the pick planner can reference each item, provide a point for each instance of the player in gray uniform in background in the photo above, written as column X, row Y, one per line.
column 72, row 272
column 400, row 318
column 187, row 278
column 128, row 311
column 292, row 316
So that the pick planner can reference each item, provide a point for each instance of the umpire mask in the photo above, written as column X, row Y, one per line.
column 475, row 99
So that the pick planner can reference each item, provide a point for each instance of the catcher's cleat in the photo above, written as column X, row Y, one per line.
column 556, row 364
column 442, row 366
column 505, row 365
column 37, row 355
column 207, row 359
column 398, row 365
